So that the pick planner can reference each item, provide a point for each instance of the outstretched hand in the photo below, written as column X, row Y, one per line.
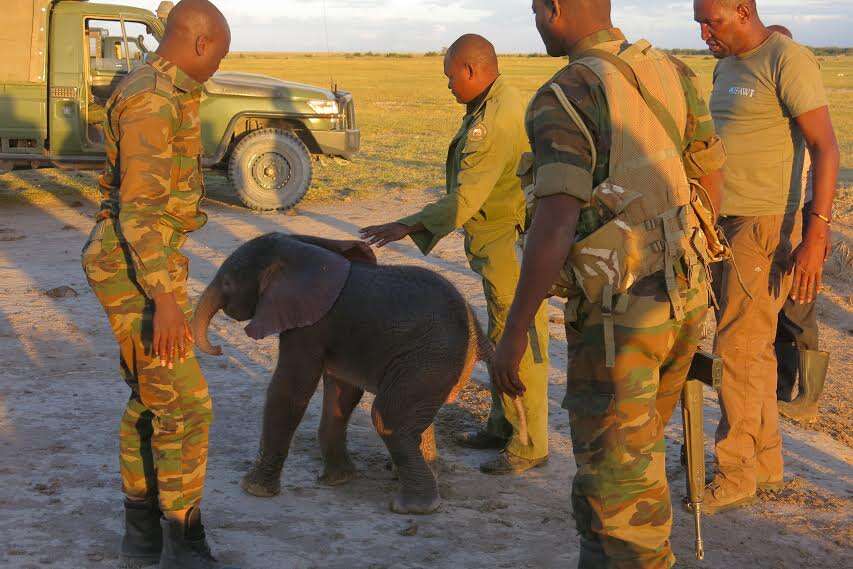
column 507, row 359
column 381, row 235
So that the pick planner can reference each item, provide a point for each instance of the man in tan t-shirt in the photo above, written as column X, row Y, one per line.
column 767, row 103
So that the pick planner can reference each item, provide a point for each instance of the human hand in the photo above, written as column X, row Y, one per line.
column 504, row 368
column 172, row 336
column 808, row 259
column 381, row 235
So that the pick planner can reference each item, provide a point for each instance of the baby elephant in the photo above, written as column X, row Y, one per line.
column 402, row 333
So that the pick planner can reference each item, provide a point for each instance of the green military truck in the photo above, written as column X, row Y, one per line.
column 61, row 59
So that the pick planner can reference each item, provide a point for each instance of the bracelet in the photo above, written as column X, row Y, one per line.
column 821, row 217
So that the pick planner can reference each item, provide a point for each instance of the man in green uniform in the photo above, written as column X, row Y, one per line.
column 616, row 137
column 768, row 104
column 151, row 190
column 485, row 198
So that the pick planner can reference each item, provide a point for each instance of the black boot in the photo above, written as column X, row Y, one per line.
column 185, row 545
column 787, row 362
column 813, row 366
column 143, row 538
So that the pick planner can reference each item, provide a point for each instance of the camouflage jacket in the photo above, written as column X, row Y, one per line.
column 562, row 155
column 481, row 181
column 152, row 184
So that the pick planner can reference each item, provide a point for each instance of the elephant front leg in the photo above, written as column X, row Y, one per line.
column 339, row 401
column 288, row 396
column 401, row 428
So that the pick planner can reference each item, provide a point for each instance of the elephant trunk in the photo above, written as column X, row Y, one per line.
column 209, row 304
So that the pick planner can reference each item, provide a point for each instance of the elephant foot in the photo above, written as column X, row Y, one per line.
column 417, row 505
column 335, row 475
column 264, row 480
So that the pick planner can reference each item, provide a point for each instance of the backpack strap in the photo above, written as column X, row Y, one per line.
column 657, row 108
column 576, row 118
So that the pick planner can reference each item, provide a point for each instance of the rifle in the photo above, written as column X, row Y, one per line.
column 705, row 369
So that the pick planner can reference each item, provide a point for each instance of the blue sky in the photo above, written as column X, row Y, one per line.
column 423, row 25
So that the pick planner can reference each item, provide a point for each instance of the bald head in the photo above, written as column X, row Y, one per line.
column 197, row 38
column 470, row 65
column 562, row 23
column 781, row 30
column 473, row 49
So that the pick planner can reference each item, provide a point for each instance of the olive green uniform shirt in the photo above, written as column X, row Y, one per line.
column 756, row 97
column 562, row 154
column 481, row 181
column 152, row 184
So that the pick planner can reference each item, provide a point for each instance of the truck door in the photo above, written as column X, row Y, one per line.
column 113, row 49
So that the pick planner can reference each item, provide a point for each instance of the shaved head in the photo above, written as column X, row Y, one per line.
column 191, row 18
column 197, row 38
column 471, row 66
column 473, row 49
column 781, row 30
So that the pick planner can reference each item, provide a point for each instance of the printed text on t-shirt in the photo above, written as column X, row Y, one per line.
column 742, row 91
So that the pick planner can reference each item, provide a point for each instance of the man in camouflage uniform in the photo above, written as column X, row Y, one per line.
column 151, row 190
column 613, row 204
column 485, row 198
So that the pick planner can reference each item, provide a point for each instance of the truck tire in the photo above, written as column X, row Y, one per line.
column 270, row 169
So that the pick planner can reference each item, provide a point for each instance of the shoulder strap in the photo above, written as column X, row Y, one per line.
column 576, row 118
column 654, row 105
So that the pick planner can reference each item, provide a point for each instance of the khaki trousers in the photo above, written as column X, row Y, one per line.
column 748, row 443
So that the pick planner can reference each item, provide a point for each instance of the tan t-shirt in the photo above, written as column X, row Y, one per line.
column 755, row 98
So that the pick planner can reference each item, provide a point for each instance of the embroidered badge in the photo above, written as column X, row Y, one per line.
column 477, row 133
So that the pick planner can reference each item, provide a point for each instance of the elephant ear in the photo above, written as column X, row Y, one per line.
column 298, row 289
column 353, row 249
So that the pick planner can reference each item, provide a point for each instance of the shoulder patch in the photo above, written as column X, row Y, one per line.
column 478, row 132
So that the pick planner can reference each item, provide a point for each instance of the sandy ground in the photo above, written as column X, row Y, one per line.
column 61, row 399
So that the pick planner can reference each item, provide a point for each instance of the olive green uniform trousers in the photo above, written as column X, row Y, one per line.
column 620, row 495
column 163, row 437
column 492, row 251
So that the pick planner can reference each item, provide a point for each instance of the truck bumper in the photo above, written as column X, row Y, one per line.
column 343, row 143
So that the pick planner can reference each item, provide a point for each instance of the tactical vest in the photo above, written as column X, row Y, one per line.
column 653, row 217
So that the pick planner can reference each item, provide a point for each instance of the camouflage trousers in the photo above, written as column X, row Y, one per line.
column 163, row 436
column 620, row 494
column 492, row 251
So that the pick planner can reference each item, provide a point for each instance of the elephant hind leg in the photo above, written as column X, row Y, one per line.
column 339, row 401
column 405, row 425
column 429, row 449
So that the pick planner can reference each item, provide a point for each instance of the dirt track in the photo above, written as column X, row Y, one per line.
column 61, row 398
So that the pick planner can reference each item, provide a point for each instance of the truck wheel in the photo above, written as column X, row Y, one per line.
column 270, row 169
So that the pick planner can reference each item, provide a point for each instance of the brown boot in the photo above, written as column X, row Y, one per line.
column 506, row 463
column 722, row 495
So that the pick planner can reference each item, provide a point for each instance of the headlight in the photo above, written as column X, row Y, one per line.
column 324, row 106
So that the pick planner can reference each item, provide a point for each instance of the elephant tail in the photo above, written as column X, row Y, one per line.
column 485, row 348
column 479, row 349
column 485, row 352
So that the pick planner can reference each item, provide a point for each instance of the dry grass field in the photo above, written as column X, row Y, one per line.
column 407, row 114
